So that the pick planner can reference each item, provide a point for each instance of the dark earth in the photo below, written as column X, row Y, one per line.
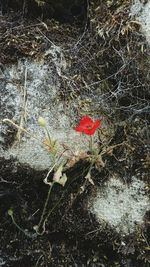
column 72, row 235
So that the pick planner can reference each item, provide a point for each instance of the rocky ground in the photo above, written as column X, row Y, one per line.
column 94, row 63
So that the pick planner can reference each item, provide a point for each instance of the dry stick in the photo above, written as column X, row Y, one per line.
column 25, row 131
column 30, row 134
column 23, row 115
column 46, row 37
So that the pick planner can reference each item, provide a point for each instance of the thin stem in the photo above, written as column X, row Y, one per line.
column 21, row 229
column 48, row 135
column 25, row 131
column 91, row 144
column 53, row 208
column 45, row 206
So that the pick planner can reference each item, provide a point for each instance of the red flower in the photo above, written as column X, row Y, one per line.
column 87, row 125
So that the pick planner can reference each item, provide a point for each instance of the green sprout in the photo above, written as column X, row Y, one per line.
column 11, row 214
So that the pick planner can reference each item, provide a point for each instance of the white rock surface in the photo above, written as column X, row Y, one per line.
column 41, row 99
column 120, row 205
column 142, row 13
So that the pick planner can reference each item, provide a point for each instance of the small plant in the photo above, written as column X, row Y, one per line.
column 58, row 178
column 95, row 155
column 88, row 126
column 48, row 141
column 11, row 214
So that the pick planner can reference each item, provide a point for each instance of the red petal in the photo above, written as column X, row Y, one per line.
column 79, row 129
column 86, row 120
column 89, row 132
column 93, row 129
column 87, row 125
column 97, row 123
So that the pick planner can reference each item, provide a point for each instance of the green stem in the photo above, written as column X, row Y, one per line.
column 53, row 208
column 52, row 145
column 45, row 207
column 48, row 134
column 21, row 229
column 91, row 144
column 43, row 222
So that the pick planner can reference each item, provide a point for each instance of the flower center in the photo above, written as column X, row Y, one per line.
column 89, row 127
